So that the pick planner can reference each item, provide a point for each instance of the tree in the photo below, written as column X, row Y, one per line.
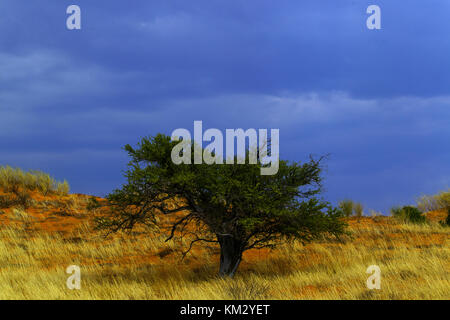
column 232, row 205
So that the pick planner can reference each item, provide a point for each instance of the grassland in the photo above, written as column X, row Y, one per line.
column 38, row 243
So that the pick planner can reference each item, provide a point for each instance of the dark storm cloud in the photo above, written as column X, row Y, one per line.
column 378, row 101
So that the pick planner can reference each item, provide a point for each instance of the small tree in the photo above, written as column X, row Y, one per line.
column 232, row 205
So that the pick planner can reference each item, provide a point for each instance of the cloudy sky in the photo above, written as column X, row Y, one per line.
column 377, row 100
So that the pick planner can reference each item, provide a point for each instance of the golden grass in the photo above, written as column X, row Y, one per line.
column 414, row 261
column 16, row 180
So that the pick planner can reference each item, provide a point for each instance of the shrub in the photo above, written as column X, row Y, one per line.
column 427, row 203
column 16, row 181
column 436, row 202
column 358, row 209
column 10, row 179
column 396, row 211
column 408, row 214
column 347, row 207
column 63, row 188
column 45, row 183
column 30, row 181
column 443, row 200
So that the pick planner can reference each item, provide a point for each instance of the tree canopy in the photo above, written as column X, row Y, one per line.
column 232, row 205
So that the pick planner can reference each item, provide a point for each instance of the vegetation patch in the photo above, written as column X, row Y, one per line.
column 15, row 180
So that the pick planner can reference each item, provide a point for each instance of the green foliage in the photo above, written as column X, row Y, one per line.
column 396, row 211
column 408, row 214
column 350, row 207
column 15, row 180
column 347, row 207
column 233, row 205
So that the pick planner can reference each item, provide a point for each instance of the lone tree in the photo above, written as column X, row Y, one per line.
column 232, row 205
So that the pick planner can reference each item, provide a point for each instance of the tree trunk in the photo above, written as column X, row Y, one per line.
column 230, row 255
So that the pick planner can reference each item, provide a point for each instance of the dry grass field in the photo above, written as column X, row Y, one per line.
column 37, row 244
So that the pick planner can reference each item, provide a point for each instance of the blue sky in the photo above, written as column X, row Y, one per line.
column 377, row 100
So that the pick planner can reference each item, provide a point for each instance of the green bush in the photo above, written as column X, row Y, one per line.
column 408, row 214
column 63, row 188
column 396, row 211
column 347, row 207
column 45, row 183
